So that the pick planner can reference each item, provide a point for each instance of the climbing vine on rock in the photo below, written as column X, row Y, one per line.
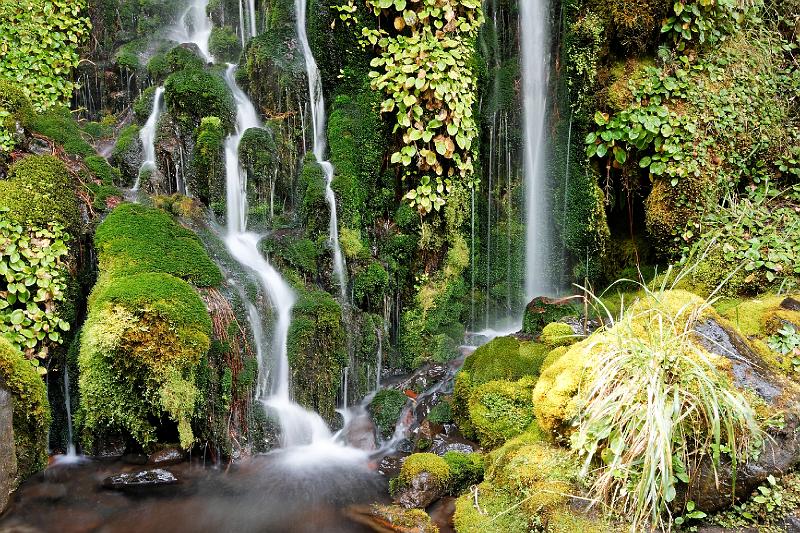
column 33, row 279
column 424, row 67
column 39, row 42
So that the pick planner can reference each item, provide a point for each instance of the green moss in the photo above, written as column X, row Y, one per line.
column 542, row 311
column 500, row 410
column 207, row 182
column 557, row 334
column 352, row 245
column 142, row 341
column 431, row 463
column 58, row 124
column 503, row 358
column 385, row 408
column 143, row 105
column 193, row 94
column 402, row 519
column 442, row 413
column 128, row 138
column 317, row 352
column 135, row 238
column 177, row 59
column 313, row 208
column 101, row 170
column 31, row 410
column 553, row 356
column 40, row 190
column 370, row 285
column 225, row 45
column 466, row 469
column 497, row 512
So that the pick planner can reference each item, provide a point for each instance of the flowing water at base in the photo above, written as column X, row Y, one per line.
column 262, row 494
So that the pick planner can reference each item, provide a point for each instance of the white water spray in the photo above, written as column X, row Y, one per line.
column 194, row 26
column 148, row 137
column 318, row 119
column 534, row 16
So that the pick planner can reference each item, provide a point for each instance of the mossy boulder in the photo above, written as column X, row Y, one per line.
column 402, row 519
column 504, row 358
column 500, row 410
column 176, row 59
column 557, row 334
column 207, row 181
column 543, row 310
column 127, row 154
column 31, row 419
column 385, row 408
column 192, row 94
column 140, row 346
column 423, row 479
column 135, row 239
column 225, row 45
column 317, row 351
column 466, row 469
column 40, row 190
column 58, row 124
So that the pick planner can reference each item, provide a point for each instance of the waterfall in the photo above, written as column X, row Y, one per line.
column 534, row 37
column 68, row 405
column 298, row 425
column 194, row 26
column 318, row 120
column 251, row 15
column 148, row 136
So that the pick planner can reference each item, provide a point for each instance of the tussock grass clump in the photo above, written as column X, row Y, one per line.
column 654, row 406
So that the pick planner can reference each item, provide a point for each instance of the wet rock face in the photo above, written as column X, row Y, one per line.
column 137, row 481
column 8, row 457
column 781, row 449
column 167, row 456
column 423, row 490
column 791, row 304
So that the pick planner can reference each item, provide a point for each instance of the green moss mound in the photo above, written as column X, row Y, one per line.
column 385, row 408
column 208, row 180
column 466, row 469
column 177, row 59
column 58, row 124
column 135, row 239
column 500, row 410
column 193, row 94
column 141, row 343
column 317, row 351
column 39, row 191
column 425, row 462
column 557, row 334
column 225, row 45
column 31, row 409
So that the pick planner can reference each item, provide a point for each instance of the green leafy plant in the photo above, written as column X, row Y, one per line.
column 40, row 46
column 787, row 341
column 33, row 280
column 704, row 21
column 425, row 70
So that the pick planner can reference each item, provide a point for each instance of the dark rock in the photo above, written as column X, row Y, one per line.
column 749, row 372
column 8, row 456
column 391, row 464
column 360, row 432
column 47, row 491
column 781, row 450
column 792, row 523
column 110, row 448
column 420, row 492
column 443, row 443
column 792, row 304
column 167, row 456
column 405, row 445
column 134, row 459
column 136, row 481
column 543, row 310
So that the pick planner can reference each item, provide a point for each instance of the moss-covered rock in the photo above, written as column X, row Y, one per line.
column 192, row 94
column 543, row 310
column 423, row 478
column 557, row 334
column 31, row 409
column 40, row 190
column 317, row 352
column 500, row 410
column 208, row 161
column 466, row 469
column 135, row 239
column 58, row 124
column 176, row 59
column 385, row 408
column 225, row 45
column 403, row 520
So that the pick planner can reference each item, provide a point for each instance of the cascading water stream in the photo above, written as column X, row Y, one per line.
column 194, row 26
column 320, row 146
column 148, row 137
column 71, row 453
column 534, row 38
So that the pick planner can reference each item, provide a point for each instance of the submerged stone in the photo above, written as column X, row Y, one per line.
column 146, row 479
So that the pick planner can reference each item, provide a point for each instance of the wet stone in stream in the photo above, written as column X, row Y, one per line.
column 146, row 479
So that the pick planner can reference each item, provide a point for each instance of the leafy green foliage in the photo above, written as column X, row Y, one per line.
column 40, row 46
column 705, row 21
column 766, row 506
column 34, row 275
column 787, row 342
column 134, row 239
column 386, row 407
column 31, row 409
column 425, row 69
